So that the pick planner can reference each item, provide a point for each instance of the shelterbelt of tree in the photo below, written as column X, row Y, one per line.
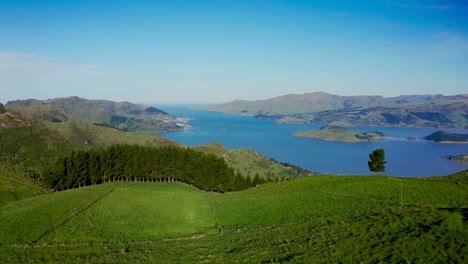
column 140, row 163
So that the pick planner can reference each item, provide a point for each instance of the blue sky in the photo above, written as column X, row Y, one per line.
column 217, row 51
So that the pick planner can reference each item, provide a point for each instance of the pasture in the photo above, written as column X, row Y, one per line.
column 315, row 219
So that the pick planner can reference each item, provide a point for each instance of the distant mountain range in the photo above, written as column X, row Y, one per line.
column 320, row 107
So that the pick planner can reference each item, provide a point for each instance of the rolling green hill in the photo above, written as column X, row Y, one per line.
column 248, row 162
column 37, row 141
column 321, row 218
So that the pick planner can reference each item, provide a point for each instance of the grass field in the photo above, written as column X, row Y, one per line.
column 26, row 220
column 135, row 211
column 315, row 219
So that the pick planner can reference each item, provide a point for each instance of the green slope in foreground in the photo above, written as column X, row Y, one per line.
column 314, row 219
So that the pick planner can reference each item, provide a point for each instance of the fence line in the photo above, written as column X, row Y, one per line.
column 106, row 243
column 68, row 218
column 213, row 212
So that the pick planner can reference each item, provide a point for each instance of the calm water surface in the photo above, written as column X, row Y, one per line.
column 404, row 157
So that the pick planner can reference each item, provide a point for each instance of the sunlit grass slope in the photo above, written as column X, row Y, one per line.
column 139, row 211
column 26, row 220
column 123, row 211
column 311, row 220
column 326, row 198
column 85, row 136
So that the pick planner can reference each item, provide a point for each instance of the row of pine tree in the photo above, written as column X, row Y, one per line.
column 141, row 163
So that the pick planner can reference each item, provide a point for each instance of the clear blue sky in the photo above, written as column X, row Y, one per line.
column 217, row 51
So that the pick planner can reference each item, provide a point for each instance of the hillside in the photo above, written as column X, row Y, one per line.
column 17, row 183
column 345, row 219
column 248, row 162
column 342, row 134
column 148, row 164
column 38, row 135
column 122, row 115
column 323, row 108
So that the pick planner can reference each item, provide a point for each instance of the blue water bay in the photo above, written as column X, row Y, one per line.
column 404, row 157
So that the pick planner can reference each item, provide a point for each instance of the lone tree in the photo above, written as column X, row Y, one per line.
column 377, row 161
column 2, row 108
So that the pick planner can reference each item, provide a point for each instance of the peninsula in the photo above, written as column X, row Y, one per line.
column 445, row 137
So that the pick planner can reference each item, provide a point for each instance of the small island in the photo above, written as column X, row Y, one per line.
column 459, row 158
column 342, row 134
column 445, row 137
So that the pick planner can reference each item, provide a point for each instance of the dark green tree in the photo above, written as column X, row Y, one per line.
column 2, row 108
column 256, row 180
column 377, row 161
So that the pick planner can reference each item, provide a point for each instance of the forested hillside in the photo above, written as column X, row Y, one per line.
column 41, row 138
column 139, row 163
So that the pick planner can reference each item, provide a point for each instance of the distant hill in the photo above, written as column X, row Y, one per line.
column 319, row 107
column 445, row 137
column 300, row 104
column 403, row 99
column 122, row 115
column 35, row 142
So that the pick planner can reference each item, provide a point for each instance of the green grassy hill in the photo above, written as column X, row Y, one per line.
column 250, row 163
column 37, row 142
column 314, row 219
